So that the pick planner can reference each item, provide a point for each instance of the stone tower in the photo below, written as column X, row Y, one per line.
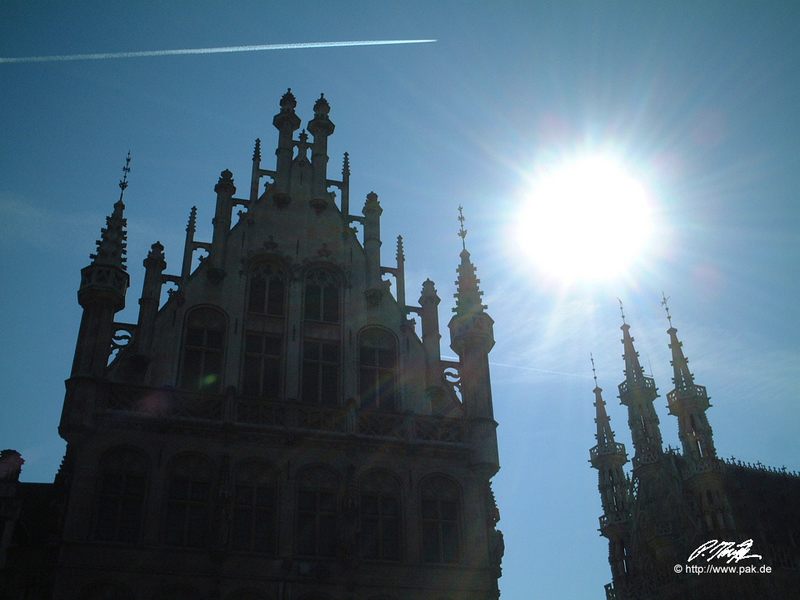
column 276, row 429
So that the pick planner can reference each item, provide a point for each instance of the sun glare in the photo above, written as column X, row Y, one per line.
column 585, row 219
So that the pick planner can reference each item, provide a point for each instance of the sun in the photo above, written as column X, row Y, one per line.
column 585, row 219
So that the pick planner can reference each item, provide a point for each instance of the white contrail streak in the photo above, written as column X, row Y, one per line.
column 222, row 50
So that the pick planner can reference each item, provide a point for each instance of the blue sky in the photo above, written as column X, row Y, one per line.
column 699, row 98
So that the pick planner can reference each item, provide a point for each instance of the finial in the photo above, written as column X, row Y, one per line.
column 257, row 150
column 346, row 166
column 123, row 183
column 462, row 233
column 594, row 373
column 666, row 307
column 622, row 311
column 400, row 256
column 288, row 101
column 191, row 226
column 321, row 107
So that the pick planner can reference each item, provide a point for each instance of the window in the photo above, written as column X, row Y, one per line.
column 380, row 518
column 321, row 297
column 121, row 489
column 203, row 349
column 316, row 513
column 378, row 369
column 188, row 496
column 254, row 510
column 321, row 372
column 267, row 294
column 440, row 521
column 262, row 365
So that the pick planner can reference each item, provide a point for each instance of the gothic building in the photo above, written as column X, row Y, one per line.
column 674, row 500
column 276, row 429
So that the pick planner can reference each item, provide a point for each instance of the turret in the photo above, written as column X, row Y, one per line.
column 429, row 312
column 321, row 127
column 689, row 402
column 286, row 122
column 104, row 283
column 154, row 266
column 222, row 223
column 608, row 456
column 638, row 392
column 372, row 240
column 472, row 338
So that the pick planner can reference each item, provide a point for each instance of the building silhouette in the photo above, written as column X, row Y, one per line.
column 674, row 501
column 276, row 429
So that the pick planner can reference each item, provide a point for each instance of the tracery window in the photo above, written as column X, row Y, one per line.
column 254, row 508
column 188, row 498
column 377, row 379
column 440, row 520
column 316, row 513
column 204, row 343
column 321, row 367
column 379, row 506
column 321, row 297
column 262, row 365
column 267, row 293
column 121, row 490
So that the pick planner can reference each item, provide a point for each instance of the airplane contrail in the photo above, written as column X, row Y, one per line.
column 221, row 50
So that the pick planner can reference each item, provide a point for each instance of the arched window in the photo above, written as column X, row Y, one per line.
column 267, row 293
column 316, row 512
column 121, row 490
column 321, row 297
column 262, row 365
column 188, row 497
column 377, row 379
column 254, row 508
column 321, row 367
column 204, row 343
column 441, row 508
column 379, row 507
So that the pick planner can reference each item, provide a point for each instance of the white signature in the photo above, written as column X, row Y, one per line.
column 724, row 550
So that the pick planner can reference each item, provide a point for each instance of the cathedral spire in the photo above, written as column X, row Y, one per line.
column 689, row 402
column 605, row 435
column 638, row 392
column 634, row 374
column 681, row 376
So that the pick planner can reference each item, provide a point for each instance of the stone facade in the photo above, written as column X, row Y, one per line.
column 276, row 429
column 674, row 501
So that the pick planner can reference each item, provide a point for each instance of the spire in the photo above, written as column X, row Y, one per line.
column 346, row 166
column 112, row 244
column 638, row 392
column 191, row 226
column 399, row 255
column 605, row 435
column 468, row 296
column 123, row 183
column 681, row 376
column 257, row 150
column 462, row 233
column 634, row 374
